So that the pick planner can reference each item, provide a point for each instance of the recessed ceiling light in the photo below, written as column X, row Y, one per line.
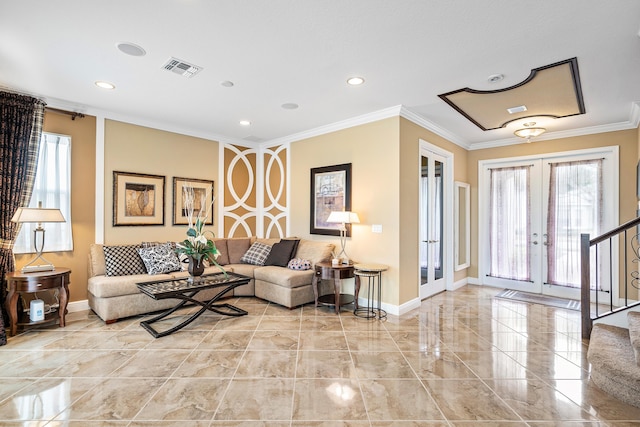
column 226, row 83
column 105, row 85
column 355, row 81
column 495, row 78
column 131, row 49
column 245, row 122
column 290, row 106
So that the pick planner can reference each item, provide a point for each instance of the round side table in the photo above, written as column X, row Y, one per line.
column 373, row 274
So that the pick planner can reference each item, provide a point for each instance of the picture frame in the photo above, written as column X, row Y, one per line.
column 330, row 191
column 202, row 187
column 138, row 199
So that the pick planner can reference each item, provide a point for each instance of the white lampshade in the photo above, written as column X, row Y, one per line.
column 37, row 215
column 344, row 217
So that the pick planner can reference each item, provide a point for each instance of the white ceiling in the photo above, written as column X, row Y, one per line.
column 303, row 51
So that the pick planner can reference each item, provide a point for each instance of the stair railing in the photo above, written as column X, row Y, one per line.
column 630, row 236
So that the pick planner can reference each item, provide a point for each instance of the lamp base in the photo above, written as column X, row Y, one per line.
column 37, row 268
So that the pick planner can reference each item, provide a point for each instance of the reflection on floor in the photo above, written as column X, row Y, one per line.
column 462, row 359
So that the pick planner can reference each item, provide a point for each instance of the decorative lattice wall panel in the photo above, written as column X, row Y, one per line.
column 240, row 212
column 274, row 213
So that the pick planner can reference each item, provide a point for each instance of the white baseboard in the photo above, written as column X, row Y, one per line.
column 460, row 283
column 473, row 281
column 78, row 306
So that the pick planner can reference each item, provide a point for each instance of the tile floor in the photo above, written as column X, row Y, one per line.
column 462, row 359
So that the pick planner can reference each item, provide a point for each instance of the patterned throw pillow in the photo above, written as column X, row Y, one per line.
column 257, row 254
column 299, row 264
column 123, row 260
column 160, row 259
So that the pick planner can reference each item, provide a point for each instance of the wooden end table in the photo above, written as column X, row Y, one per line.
column 19, row 283
column 328, row 271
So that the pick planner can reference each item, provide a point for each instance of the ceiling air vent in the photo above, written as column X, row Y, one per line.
column 181, row 67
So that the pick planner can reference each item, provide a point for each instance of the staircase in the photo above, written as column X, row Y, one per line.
column 614, row 354
column 613, row 332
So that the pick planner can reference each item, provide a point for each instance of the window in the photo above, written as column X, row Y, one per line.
column 53, row 188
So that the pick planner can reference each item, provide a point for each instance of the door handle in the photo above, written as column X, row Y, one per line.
column 535, row 242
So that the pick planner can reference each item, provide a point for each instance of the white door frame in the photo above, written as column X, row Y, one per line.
column 447, row 213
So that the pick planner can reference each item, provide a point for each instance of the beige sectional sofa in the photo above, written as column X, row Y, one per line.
column 116, row 297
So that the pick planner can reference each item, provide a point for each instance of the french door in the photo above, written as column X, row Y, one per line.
column 432, row 230
column 533, row 212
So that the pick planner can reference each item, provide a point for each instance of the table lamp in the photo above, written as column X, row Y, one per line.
column 344, row 217
column 38, row 215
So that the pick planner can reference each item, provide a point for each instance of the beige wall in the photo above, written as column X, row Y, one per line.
column 627, row 141
column 83, row 172
column 138, row 149
column 372, row 149
column 410, row 136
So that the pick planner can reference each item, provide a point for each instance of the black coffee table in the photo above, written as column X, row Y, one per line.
column 185, row 290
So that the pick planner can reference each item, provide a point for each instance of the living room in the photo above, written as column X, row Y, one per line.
column 262, row 187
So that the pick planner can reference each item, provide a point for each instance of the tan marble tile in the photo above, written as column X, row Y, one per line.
column 279, row 310
column 493, row 423
column 595, row 401
column 126, row 340
column 323, row 340
column 424, row 340
column 96, row 363
column 493, row 364
column 279, row 323
column 437, row 365
column 353, row 323
column 270, row 399
column 34, row 339
column 321, row 323
column 325, row 364
column 464, row 340
column 370, row 341
column 152, row 363
column 209, row 364
column 328, row 399
column 394, row 399
column 8, row 386
column 185, row 399
column 409, row 424
column 177, row 423
column 274, row 340
column 226, row 340
column 39, row 363
column 381, row 364
column 93, row 423
column 332, row 423
column 180, row 340
column 468, row 400
column 243, row 323
column 549, row 366
column 113, row 399
column 267, row 364
column 230, row 423
column 534, row 400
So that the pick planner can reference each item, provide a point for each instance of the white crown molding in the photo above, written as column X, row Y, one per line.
column 333, row 127
column 422, row 122
column 634, row 116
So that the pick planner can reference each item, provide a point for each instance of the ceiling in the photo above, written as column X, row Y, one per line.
column 303, row 51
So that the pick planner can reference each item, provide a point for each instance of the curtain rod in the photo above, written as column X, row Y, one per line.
column 73, row 114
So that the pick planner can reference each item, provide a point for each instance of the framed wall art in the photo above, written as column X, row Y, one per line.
column 203, row 192
column 138, row 199
column 330, row 191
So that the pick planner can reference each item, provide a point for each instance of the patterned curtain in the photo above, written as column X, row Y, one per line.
column 21, row 120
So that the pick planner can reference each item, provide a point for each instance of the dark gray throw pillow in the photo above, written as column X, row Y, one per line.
column 123, row 260
column 282, row 252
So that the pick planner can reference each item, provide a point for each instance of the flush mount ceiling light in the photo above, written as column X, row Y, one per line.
column 131, row 49
column 529, row 131
column 289, row 106
column 226, row 83
column 550, row 91
column 245, row 123
column 355, row 81
column 105, row 85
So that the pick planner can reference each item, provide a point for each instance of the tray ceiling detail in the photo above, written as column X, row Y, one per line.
column 550, row 91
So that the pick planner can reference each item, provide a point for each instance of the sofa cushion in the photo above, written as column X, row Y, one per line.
column 282, row 252
column 257, row 254
column 237, row 247
column 96, row 260
column 160, row 258
column 107, row 287
column 123, row 260
column 221, row 244
column 314, row 251
column 283, row 276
